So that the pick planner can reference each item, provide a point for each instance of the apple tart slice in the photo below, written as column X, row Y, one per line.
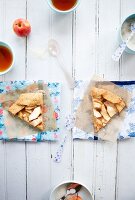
column 105, row 106
column 28, row 107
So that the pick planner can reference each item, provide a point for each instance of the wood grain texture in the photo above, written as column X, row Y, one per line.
column 3, row 177
column 38, row 155
column 106, row 153
column 14, row 163
column 3, row 172
column 47, row 68
column 87, row 39
column 126, row 165
column 38, row 171
column 61, row 30
column 84, row 67
column 15, row 171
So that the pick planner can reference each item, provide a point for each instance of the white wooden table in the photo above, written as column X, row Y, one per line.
column 88, row 38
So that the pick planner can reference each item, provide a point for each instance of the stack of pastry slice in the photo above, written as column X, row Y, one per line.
column 29, row 108
column 105, row 106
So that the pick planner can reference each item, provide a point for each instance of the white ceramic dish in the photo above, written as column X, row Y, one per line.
column 11, row 66
column 63, row 11
column 60, row 190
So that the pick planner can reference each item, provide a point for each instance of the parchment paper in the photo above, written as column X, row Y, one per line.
column 15, row 127
column 84, row 114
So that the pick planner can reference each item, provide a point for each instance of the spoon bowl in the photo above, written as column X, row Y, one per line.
column 54, row 51
column 53, row 48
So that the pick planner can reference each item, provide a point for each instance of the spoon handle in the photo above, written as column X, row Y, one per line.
column 58, row 156
column 68, row 77
column 119, row 51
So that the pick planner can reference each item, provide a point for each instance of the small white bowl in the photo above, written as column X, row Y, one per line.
column 63, row 11
column 3, row 44
column 128, row 48
column 60, row 190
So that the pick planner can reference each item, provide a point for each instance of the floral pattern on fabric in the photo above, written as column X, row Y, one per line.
column 54, row 89
column 128, row 129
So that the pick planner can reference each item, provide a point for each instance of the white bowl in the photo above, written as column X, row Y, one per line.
column 63, row 11
column 60, row 190
column 128, row 48
column 11, row 66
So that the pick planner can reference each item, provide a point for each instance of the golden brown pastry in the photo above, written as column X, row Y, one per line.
column 28, row 107
column 105, row 105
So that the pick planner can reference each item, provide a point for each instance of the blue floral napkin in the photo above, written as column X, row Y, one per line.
column 128, row 129
column 54, row 89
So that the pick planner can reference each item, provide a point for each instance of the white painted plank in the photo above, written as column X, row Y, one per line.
column 99, row 37
column 97, row 167
column 2, row 171
column 126, row 170
column 38, row 155
column 15, row 171
column 107, row 38
column 38, row 171
column 61, row 30
column 105, row 172
column 48, row 69
column 85, row 40
column 84, row 163
column 84, row 66
column 14, row 154
column 107, row 34
column 126, row 164
column 39, row 17
column 2, row 146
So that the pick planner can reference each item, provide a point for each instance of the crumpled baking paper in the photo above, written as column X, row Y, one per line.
column 84, row 113
column 16, row 127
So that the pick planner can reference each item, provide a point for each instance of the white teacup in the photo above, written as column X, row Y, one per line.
column 63, row 11
column 3, row 44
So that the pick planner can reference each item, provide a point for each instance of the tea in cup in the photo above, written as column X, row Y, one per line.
column 63, row 6
column 6, row 58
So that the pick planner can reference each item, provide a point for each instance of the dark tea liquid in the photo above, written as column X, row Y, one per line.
column 64, row 4
column 6, row 58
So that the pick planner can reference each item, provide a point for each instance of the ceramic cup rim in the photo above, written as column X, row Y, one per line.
column 69, row 181
column 5, row 44
column 63, row 11
column 128, row 17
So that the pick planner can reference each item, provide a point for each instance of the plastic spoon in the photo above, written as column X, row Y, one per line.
column 54, row 50
column 70, row 120
column 119, row 51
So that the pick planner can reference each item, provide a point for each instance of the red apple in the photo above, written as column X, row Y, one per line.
column 21, row 27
